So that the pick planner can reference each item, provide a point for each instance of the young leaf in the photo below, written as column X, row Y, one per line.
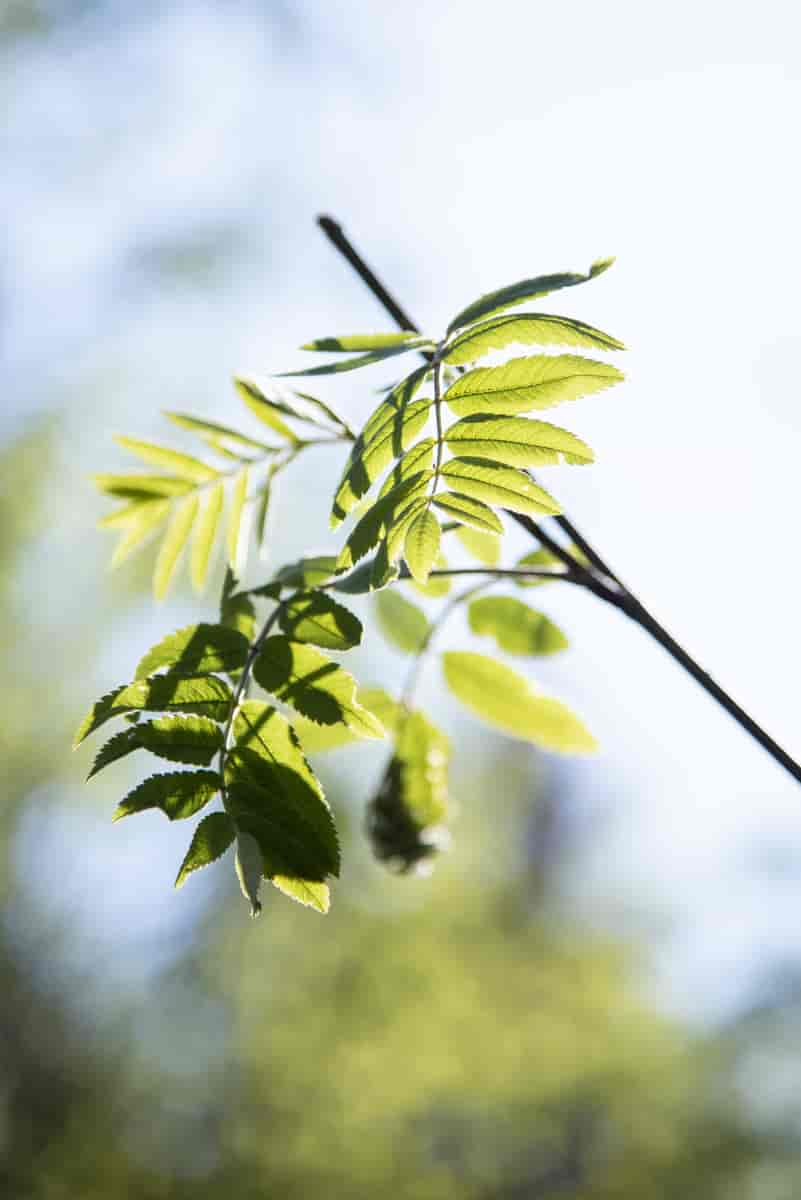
column 526, row 289
column 516, row 628
column 469, row 511
column 350, row 364
column 178, row 794
column 208, row 696
column 196, row 650
column 318, row 738
column 314, row 685
column 421, row 545
column 183, row 466
column 209, row 842
column 236, row 530
column 205, row 533
column 506, row 700
column 406, row 340
column 502, row 486
column 526, row 329
column 149, row 517
column 405, row 818
column 486, row 547
column 249, row 869
column 217, row 434
column 174, row 540
column 402, row 623
column 266, row 408
column 314, row 617
column 516, row 441
column 525, row 384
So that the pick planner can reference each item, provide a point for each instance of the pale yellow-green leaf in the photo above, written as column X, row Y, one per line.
column 204, row 535
column 421, row 545
column 183, row 466
column 469, row 512
column 505, row 487
column 516, row 441
column 316, row 739
column 486, row 547
column 402, row 623
column 267, row 408
column 526, row 329
column 149, row 517
column 174, row 540
column 236, row 538
column 526, row 289
column 525, row 384
column 516, row 628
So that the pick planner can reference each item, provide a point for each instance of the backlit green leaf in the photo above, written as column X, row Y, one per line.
column 436, row 586
column 369, row 341
column 526, row 289
column 236, row 537
column 178, row 794
column 318, row 738
column 486, row 547
column 141, row 487
column 538, row 560
column 470, row 512
column 208, row 696
column 150, row 516
column 369, row 530
column 175, row 538
column 204, row 535
column 507, row 701
column 310, row 572
column 218, row 435
column 525, row 384
column 195, row 650
column 516, row 628
column 516, row 441
column 419, row 458
column 211, row 839
column 249, row 869
column 314, row 685
column 184, row 466
column 499, row 485
column 314, row 617
column 526, row 329
column 184, row 739
column 349, row 364
column 267, row 408
column 402, row 623
column 421, row 545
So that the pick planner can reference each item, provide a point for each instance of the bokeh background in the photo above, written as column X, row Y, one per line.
column 598, row 993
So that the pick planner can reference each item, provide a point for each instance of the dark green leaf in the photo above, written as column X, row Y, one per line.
column 178, row 794
column 314, row 617
column 208, row 696
column 195, row 650
column 210, row 841
column 314, row 685
column 183, row 739
column 238, row 612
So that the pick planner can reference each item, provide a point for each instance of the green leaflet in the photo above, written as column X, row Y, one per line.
column 404, row 819
column 350, row 364
column 322, row 407
column 403, row 624
column 421, row 545
column 183, row 739
column 314, row 685
column 538, row 559
column 218, row 435
column 369, row 530
column 208, row 696
column 195, row 650
column 486, row 547
column 237, row 611
column 318, row 738
column 267, row 409
column 249, row 869
column 204, row 536
column 436, row 586
column 516, row 441
column 141, row 487
column 516, row 628
column 419, row 458
column 148, row 518
column 314, row 617
column 183, row 466
column 499, row 485
column 527, row 329
column 209, row 842
column 309, row 572
column 236, row 531
column 394, row 424
column 506, row 700
column 470, row 512
column 407, row 340
column 268, row 754
column 175, row 538
column 524, row 384
column 178, row 794
column 262, row 512
column 526, row 289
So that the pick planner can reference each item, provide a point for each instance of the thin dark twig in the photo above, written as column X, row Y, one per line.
column 618, row 595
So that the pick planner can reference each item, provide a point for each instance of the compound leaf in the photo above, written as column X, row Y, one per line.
column 507, row 701
column 211, row 839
